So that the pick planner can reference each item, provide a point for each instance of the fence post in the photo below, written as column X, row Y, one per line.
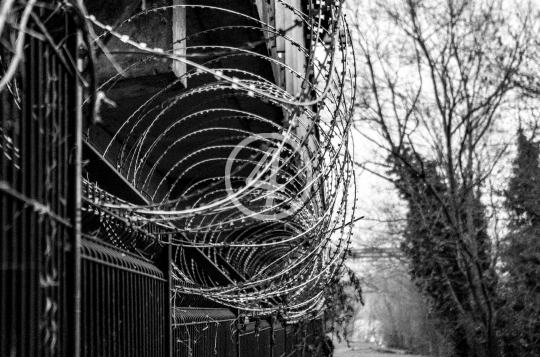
column 74, row 274
column 163, row 262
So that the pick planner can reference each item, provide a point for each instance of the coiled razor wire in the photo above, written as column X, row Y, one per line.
column 278, row 212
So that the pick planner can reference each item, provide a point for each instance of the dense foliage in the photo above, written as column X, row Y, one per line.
column 441, row 82
column 521, row 255
column 433, row 246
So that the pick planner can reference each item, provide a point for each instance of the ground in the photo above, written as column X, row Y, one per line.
column 366, row 350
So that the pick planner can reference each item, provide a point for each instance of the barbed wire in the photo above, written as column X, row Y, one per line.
column 279, row 213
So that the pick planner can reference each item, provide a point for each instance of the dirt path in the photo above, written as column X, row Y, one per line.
column 366, row 350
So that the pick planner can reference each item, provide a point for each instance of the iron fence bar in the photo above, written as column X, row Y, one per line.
column 163, row 262
column 119, row 267
column 38, row 196
column 74, row 308
column 202, row 322
column 237, row 334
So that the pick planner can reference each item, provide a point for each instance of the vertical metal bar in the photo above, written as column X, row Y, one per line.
column 19, row 218
column 161, row 317
column 75, row 209
column 129, row 311
column 43, row 223
column 6, row 108
column 237, row 333
column 83, row 307
column 131, row 328
column 126, row 310
column 3, row 223
column 93, row 309
column 106, row 309
column 49, row 197
column 163, row 262
column 97, row 306
column 109, row 304
column 52, row 229
column 155, row 319
column 33, row 311
column 143, row 296
column 146, row 319
column 152, row 317
column 135, row 312
column 139, row 311
column 158, row 323
column 144, row 316
column 122, row 315
column 127, row 319
column 13, row 209
column 99, row 309
column 119, row 312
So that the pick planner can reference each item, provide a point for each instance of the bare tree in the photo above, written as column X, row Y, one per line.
column 437, row 85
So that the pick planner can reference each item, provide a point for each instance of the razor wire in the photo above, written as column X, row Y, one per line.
column 281, row 216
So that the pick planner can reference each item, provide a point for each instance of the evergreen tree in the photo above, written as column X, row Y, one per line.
column 522, row 252
column 431, row 244
column 524, row 186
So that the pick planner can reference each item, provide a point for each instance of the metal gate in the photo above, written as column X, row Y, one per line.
column 39, row 126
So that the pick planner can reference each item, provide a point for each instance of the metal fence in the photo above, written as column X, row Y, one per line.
column 123, row 303
column 255, row 339
column 38, row 192
column 61, row 295
column 199, row 332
